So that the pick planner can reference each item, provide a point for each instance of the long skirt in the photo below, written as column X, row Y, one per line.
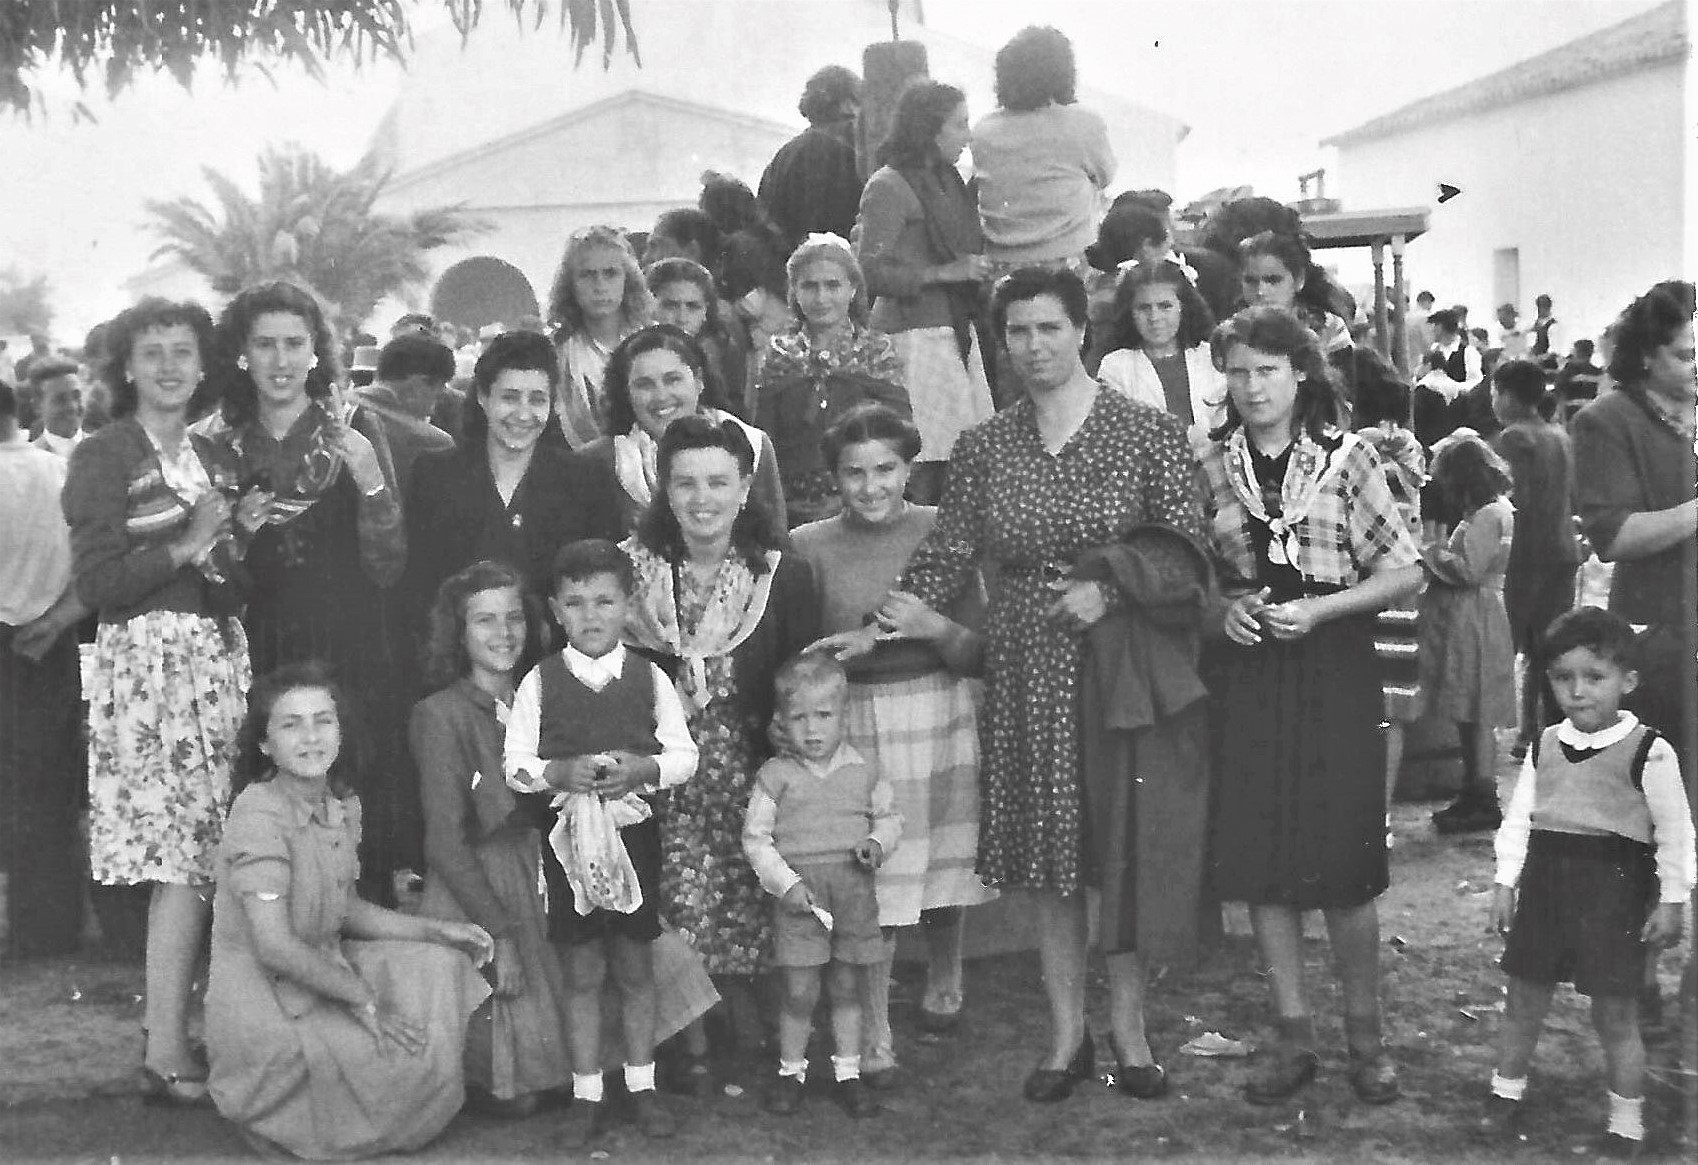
column 923, row 736
column 1300, row 809
column 949, row 395
column 515, row 1045
column 166, row 697
column 41, row 796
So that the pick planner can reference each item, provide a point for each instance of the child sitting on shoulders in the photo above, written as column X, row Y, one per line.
column 596, row 719
column 820, row 821
column 1594, row 863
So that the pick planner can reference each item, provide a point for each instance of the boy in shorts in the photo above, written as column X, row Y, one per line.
column 820, row 821
column 597, row 719
column 1594, row 867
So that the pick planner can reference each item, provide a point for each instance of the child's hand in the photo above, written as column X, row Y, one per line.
column 573, row 774
column 628, row 772
column 869, row 853
column 1503, row 909
column 797, row 900
column 1664, row 927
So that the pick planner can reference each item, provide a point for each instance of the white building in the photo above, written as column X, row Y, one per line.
column 506, row 125
column 1571, row 166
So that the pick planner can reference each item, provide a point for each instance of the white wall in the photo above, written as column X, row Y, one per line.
column 1588, row 185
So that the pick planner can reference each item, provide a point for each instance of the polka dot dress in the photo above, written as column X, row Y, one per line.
column 1023, row 515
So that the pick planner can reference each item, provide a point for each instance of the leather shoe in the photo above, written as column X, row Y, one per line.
column 1143, row 1081
column 1373, row 1077
column 1047, row 1085
column 1284, row 1070
column 857, row 1100
column 1500, row 1119
column 586, row 1121
column 649, row 1114
column 784, row 1096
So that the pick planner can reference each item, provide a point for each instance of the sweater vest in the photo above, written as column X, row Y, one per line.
column 1601, row 793
column 1456, row 364
column 819, row 817
column 1542, row 337
column 577, row 720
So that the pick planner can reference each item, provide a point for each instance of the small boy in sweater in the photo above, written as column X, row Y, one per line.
column 820, row 821
column 597, row 719
column 1594, row 866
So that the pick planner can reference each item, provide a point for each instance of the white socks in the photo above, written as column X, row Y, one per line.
column 639, row 1078
column 796, row 1068
column 846, row 1067
column 1507, row 1088
column 587, row 1087
column 1627, row 1116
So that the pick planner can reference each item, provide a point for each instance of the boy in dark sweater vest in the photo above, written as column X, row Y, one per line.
column 820, row 821
column 597, row 719
column 1594, row 864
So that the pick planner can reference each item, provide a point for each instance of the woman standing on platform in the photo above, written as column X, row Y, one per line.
column 151, row 528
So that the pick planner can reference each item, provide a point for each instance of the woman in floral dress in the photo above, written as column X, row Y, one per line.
column 330, row 545
column 150, row 533
column 1071, row 467
column 825, row 364
column 717, row 599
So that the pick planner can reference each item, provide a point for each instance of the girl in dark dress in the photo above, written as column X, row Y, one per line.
column 331, row 542
column 1310, row 544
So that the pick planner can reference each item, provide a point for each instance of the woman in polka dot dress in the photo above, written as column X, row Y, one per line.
column 1068, row 468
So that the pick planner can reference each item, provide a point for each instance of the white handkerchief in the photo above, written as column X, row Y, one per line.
column 477, row 779
column 824, row 916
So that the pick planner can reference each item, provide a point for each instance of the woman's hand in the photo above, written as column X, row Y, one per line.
column 208, row 522
column 254, row 510
column 1081, row 606
column 359, row 456
column 906, row 617
column 392, row 1032
column 506, row 972
column 467, row 937
column 1241, row 623
column 848, row 645
column 1291, row 620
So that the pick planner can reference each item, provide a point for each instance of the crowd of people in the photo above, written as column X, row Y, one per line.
column 831, row 565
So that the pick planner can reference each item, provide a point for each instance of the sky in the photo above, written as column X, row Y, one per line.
column 1260, row 83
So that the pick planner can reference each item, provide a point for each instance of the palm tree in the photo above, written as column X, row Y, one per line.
column 311, row 224
column 114, row 40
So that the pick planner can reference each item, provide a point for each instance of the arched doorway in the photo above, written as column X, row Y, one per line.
column 483, row 290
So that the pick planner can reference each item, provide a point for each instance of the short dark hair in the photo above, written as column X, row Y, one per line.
column 870, row 421
column 753, row 534
column 1522, row 381
column 1604, row 633
column 1468, row 472
column 415, row 354
column 415, row 319
column 51, row 368
column 149, row 313
column 1648, row 323
column 1031, row 282
column 1035, row 68
column 239, row 397
column 826, row 91
column 445, row 658
column 525, row 351
column 690, row 225
column 1381, row 392
column 1196, row 321
column 1426, row 295
column 587, row 558
column 616, row 381
column 1279, row 331
column 1447, row 319
column 1127, row 226
column 921, row 109
column 253, row 766
column 1542, row 301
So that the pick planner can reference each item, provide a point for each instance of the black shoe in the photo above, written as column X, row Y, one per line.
column 586, row 1121
column 1282, row 1069
column 1615, row 1147
column 784, row 1096
column 1047, row 1085
column 881, row 1079
column 857, row 1100
column 1501, row 1118
column 1143, row 1081
column 649, row 1114
column 1373, row 1077
column 1469, row 813
column 691, row 1075
column 481, row 1103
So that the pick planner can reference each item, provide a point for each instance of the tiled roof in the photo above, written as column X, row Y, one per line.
column 1653, row 37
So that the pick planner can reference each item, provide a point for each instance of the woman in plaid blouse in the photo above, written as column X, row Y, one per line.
column 1310, row 546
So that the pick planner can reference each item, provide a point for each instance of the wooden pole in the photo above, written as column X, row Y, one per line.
column 1400, row 325
column 1380, row 336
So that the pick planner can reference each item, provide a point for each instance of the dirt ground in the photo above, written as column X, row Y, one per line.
column 70, row 1043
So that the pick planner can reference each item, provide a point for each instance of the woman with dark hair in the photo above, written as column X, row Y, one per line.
column 505, row 494
column 686, row 297
column 1310, row 545
column 151, row 528
column 750, row 268
column 1158, row 347
column 812, row 183
column 683, row 233
column 484, row 849
column 1635, row 488
column 912, row 711
column 1275, row 269
column 655, row 376
column 335, row 1027
column 923, row 253
column 824, row 364
column 598, row 299
column 330, row 540
column 717, row 599
column 1042, row 160
column 1071, row 473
